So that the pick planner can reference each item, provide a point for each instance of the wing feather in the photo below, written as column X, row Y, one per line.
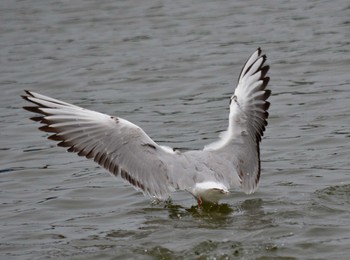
column 114, row 143
column 247, row 122
column 250, row 111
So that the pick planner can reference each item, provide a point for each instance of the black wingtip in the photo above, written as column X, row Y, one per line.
column 266, row 81
column 267, row 106
column 48, row 129
column 29, row 93
column 32, row 109
column 264, row 71
column 37, row 118
column 259, row 51
column 25, row 97
column 55, row 137
column 267, row 94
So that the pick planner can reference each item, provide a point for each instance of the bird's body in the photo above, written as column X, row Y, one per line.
column 125, row 150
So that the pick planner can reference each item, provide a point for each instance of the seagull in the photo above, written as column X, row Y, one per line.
column 125, row 150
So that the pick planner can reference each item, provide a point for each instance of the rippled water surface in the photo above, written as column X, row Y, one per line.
column 170, row 67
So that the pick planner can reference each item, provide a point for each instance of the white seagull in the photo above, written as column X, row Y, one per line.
column 124, row 149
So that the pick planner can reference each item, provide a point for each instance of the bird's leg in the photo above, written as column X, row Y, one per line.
column 199, row 202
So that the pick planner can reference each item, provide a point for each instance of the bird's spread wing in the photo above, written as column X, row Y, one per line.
column 116, row 144
column 125, row 149
column 248, row 114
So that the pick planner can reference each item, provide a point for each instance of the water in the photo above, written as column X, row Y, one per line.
column 170, row 67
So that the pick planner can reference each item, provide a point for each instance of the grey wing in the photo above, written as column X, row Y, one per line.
column 116, row 144
column 249, row 111
column 248, row 114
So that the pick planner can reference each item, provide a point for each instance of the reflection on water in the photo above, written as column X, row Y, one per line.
column 214, row 214
column 171, row 67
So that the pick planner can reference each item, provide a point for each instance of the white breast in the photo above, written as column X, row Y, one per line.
column 210, row 191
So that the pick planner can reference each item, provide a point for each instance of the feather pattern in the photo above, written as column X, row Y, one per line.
column 125, row 150
column 247, row 122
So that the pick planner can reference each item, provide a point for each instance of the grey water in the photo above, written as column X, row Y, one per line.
column 171, row 67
